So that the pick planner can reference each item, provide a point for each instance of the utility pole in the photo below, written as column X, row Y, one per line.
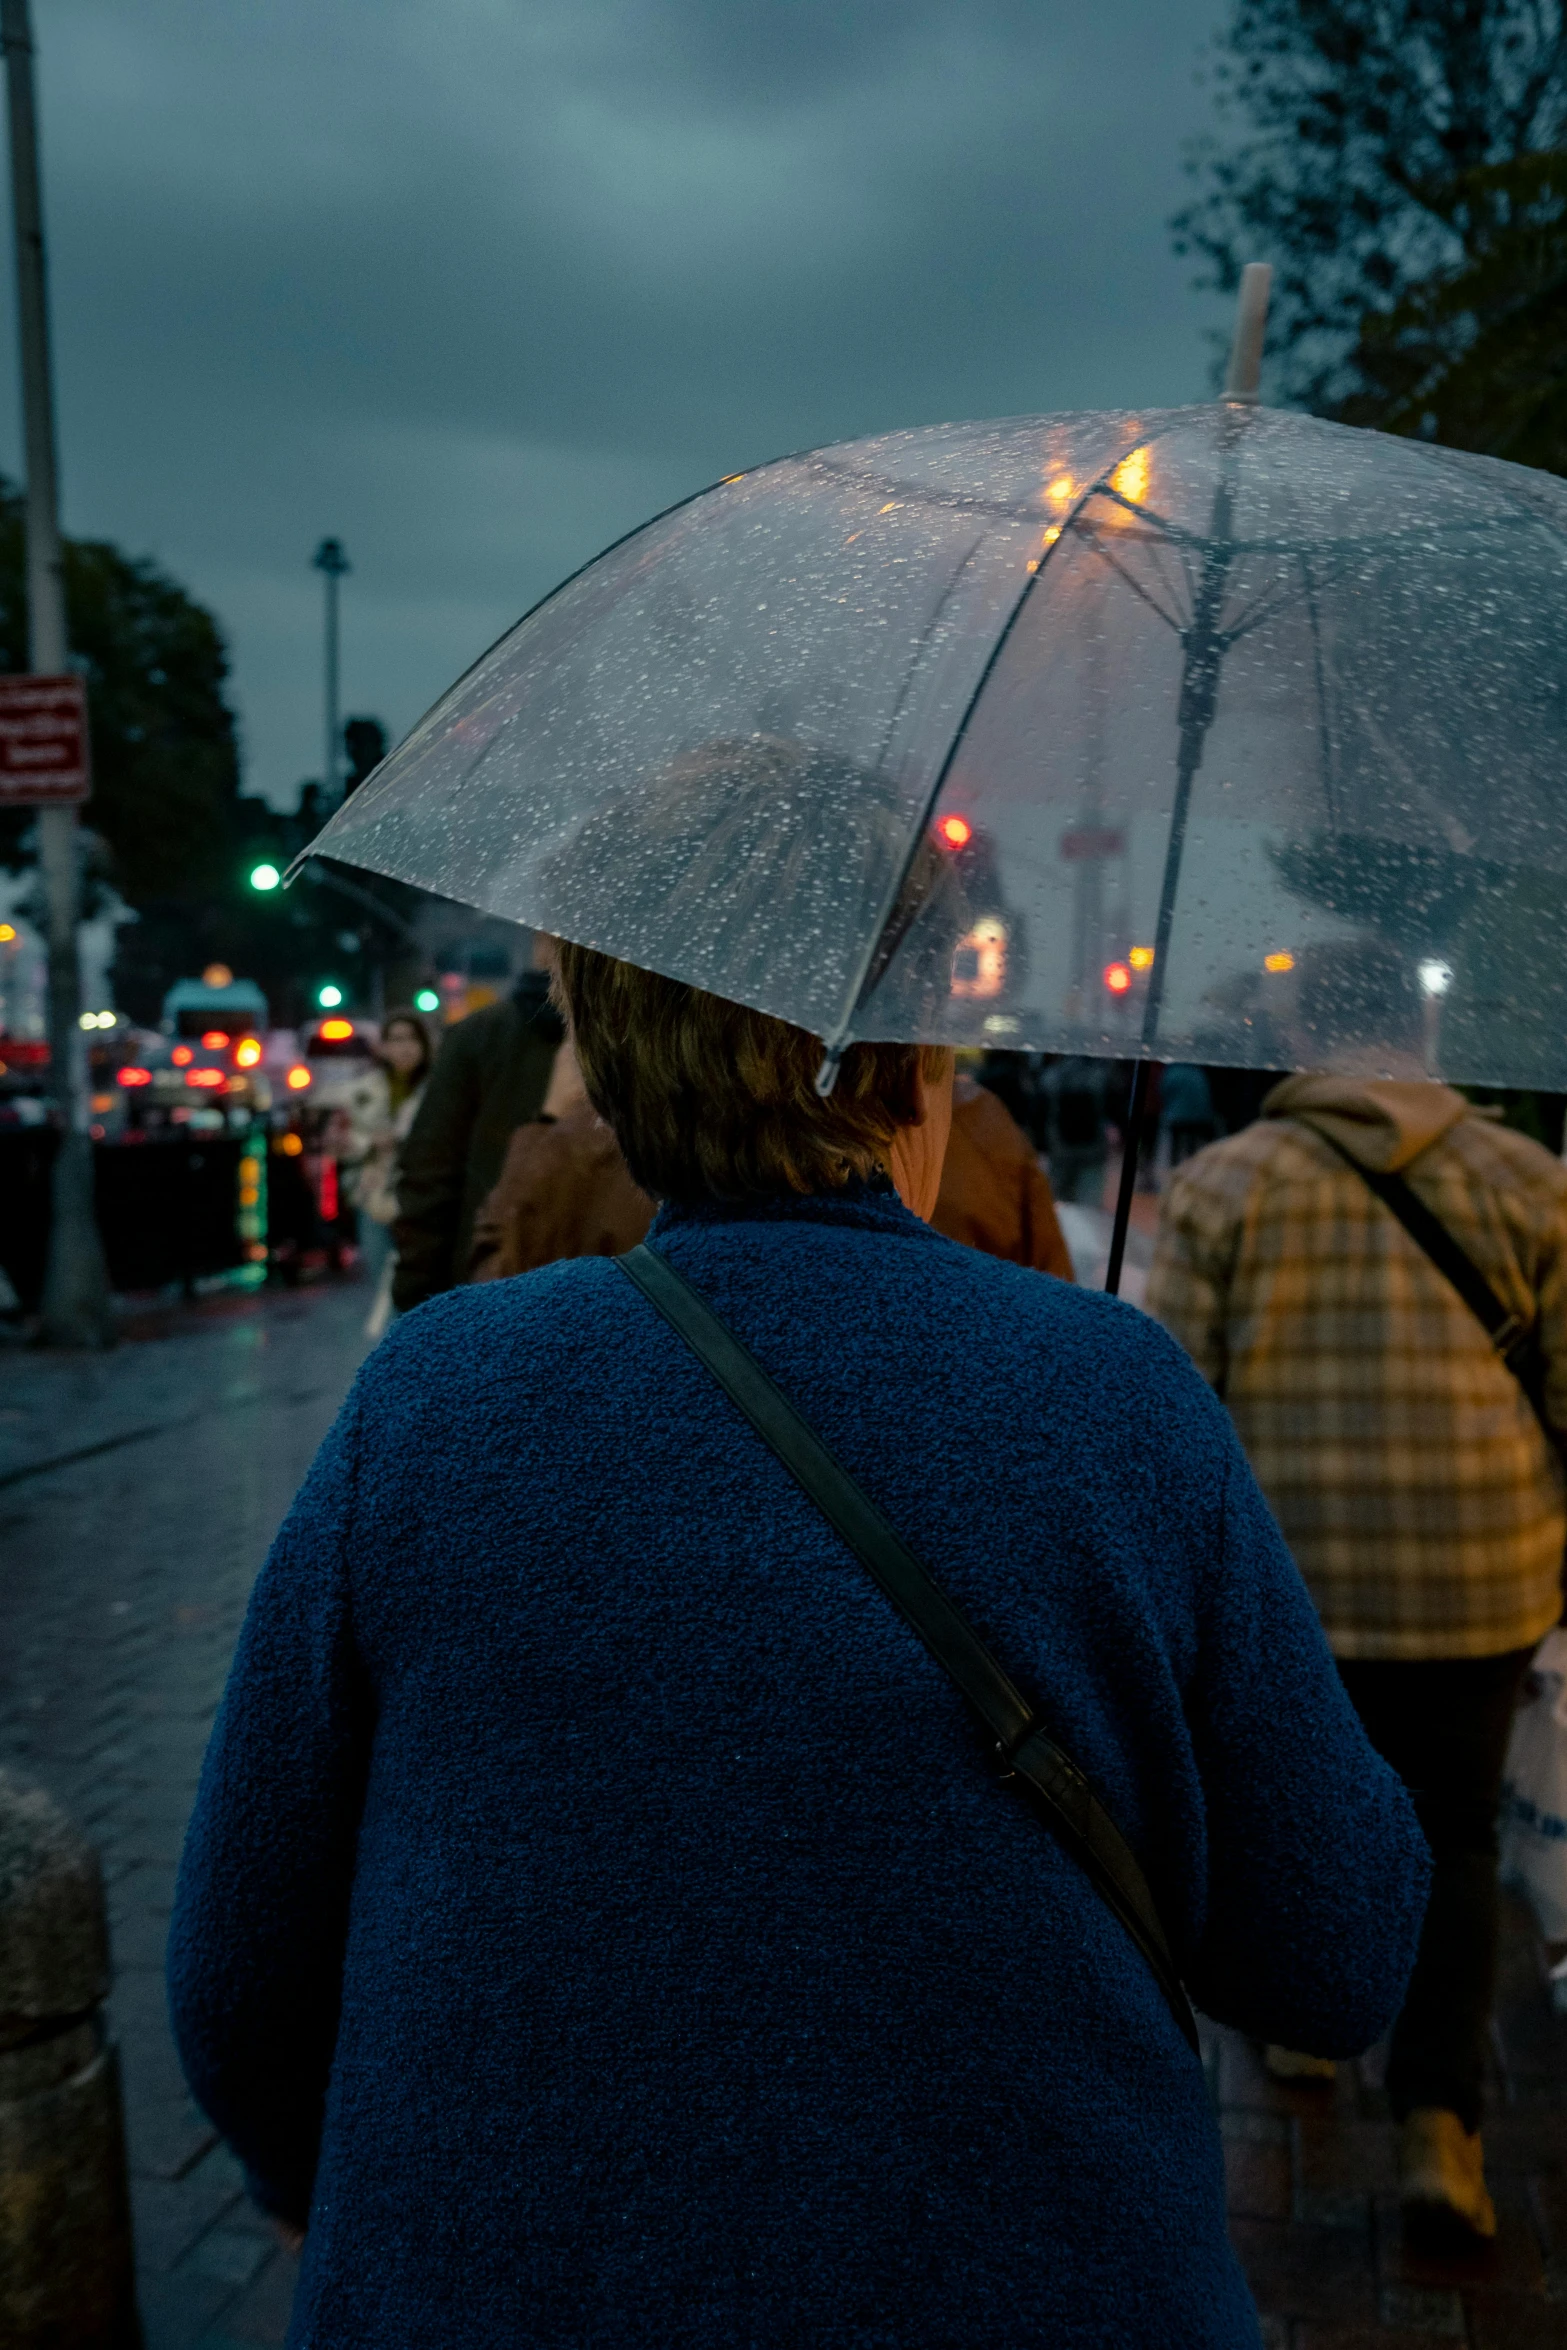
column 330, row 560
column 76, row 1309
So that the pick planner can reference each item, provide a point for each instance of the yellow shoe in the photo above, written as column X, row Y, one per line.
column 1293, row 2064
column 1441, row 2175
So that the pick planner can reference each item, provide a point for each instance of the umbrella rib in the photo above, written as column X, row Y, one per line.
column 1324, row 731
column 826, row 1076
column 1118, row 567
column 928, row 631
column 1280, row 595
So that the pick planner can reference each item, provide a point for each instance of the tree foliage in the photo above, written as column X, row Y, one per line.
column 1367, row 149
column 1477, row 356
column 165, row 758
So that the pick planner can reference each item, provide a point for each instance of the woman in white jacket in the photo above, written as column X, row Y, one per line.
column 379, row 1112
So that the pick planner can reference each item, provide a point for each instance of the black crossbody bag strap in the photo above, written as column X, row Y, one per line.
column 1069, row 1805
column 1515, row 1340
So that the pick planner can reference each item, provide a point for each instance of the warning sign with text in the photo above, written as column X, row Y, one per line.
column 43, row 742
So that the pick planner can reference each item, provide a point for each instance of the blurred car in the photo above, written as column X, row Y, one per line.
column 204, row 1068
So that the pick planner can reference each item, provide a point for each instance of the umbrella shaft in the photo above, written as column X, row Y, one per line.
column 1130, row 1144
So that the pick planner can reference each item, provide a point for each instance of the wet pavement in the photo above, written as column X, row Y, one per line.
column 138, row 1493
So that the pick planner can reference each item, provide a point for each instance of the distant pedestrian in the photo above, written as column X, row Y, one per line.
column 599, row 1920
column 1414, row 1481
column 489, row 1078
column 1075, row 1094
column 379, row 1110
column 564, row 1189
column 1186, row 1110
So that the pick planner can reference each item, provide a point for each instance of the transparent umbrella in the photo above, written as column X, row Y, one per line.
column 1076, row 734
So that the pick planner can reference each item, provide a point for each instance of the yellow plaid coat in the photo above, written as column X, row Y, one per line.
column 1422, row 1502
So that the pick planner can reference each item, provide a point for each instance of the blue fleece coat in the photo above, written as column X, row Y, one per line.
column 599, row 1916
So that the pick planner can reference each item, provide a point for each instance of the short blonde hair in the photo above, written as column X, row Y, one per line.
column 710, row 1099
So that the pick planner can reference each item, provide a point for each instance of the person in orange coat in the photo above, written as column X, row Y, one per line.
column 995, row 1194
column 565, row 1190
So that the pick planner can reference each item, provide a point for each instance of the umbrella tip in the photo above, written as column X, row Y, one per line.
column 1251, row 320
column 827, row 1074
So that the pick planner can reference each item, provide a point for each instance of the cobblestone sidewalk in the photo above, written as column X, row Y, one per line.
column 124, row 1570
column 123, row 1577
column 1314, row 2215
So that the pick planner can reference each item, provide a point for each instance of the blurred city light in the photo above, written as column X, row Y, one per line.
column 264, row 877
column 1436, row 977
column 1131, row 477
column 329, row 995
column 298, row 1078
column 427, row 1000
column 1283, row 961
column 1141, row 958
column 1117, row 978
column 956, row 831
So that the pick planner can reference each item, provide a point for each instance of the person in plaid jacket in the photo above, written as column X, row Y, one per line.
column 1413, row 1479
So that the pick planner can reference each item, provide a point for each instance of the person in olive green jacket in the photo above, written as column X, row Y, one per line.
column 489, row 1078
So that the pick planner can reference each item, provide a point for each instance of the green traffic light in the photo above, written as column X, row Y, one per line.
column 264, row 877
column 427, row 1000
column 329, row 996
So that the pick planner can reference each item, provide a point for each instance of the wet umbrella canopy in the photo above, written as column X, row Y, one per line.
column 1075, row 733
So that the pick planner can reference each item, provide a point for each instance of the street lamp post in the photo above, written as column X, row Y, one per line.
column 330, row 560
column 76, row 1308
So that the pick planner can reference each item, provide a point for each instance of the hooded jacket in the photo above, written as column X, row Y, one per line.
column 1420, row 1497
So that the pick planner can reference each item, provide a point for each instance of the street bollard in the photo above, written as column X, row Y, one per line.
column 66, row 2274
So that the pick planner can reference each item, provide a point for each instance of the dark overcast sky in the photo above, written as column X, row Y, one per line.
column 478, row 284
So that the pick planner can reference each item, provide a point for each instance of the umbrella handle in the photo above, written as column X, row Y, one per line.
column 1136, row 1105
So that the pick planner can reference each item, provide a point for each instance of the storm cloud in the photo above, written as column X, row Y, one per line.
column 477, row 285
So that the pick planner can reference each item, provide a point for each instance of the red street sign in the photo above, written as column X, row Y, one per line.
column 43, row 742
column 1092, row 841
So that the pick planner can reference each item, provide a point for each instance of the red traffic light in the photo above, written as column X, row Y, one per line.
column 133, row 1077
column 955, row 831
column 1117, row 978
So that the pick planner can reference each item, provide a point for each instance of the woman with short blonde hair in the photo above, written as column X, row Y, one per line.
column 600, row 1919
